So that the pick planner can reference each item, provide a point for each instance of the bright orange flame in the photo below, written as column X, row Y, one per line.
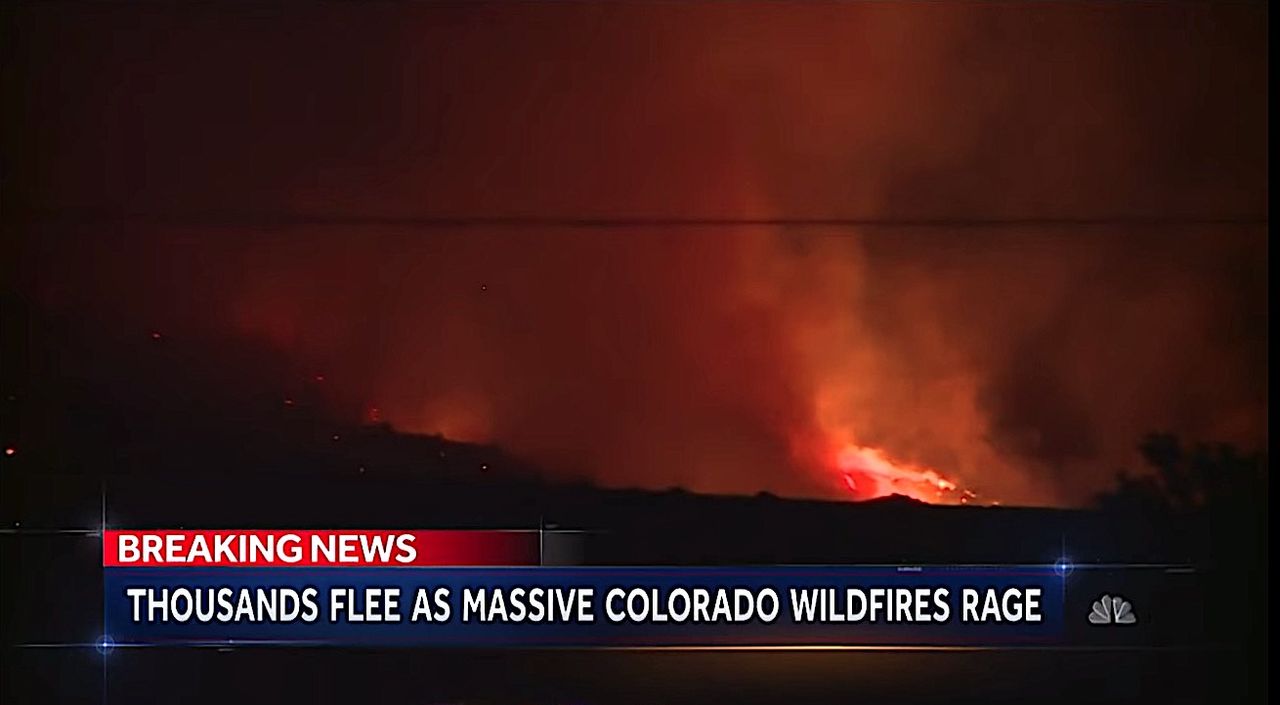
column 870, row 472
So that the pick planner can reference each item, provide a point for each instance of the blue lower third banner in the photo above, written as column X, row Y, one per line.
column 585, row 606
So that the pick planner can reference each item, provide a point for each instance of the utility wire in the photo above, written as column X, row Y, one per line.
column 285, row 219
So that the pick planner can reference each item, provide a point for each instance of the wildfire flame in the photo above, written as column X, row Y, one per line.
column 870, row 472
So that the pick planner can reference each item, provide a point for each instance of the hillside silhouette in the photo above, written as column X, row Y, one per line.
column 197, row 431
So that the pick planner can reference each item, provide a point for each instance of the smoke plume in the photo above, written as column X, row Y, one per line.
column 996, row 243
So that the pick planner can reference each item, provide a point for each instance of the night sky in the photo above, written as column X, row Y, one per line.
column 699, row 245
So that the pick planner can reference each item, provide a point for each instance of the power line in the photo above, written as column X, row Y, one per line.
column 285, row 219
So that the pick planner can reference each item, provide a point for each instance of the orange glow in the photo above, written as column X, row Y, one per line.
column 870, row 472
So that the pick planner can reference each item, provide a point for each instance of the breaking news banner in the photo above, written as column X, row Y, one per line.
column 490, row 588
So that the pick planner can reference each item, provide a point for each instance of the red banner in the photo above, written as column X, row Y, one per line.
column 319, row 547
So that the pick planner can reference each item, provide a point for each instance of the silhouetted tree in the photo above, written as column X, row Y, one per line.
column 1203, row 476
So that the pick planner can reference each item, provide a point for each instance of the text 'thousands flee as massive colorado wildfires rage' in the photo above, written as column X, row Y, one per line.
column 361, row 577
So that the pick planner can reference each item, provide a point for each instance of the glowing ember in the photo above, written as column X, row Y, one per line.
column 869, row 472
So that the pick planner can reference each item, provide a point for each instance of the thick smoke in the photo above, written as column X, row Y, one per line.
column 1024, row 357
